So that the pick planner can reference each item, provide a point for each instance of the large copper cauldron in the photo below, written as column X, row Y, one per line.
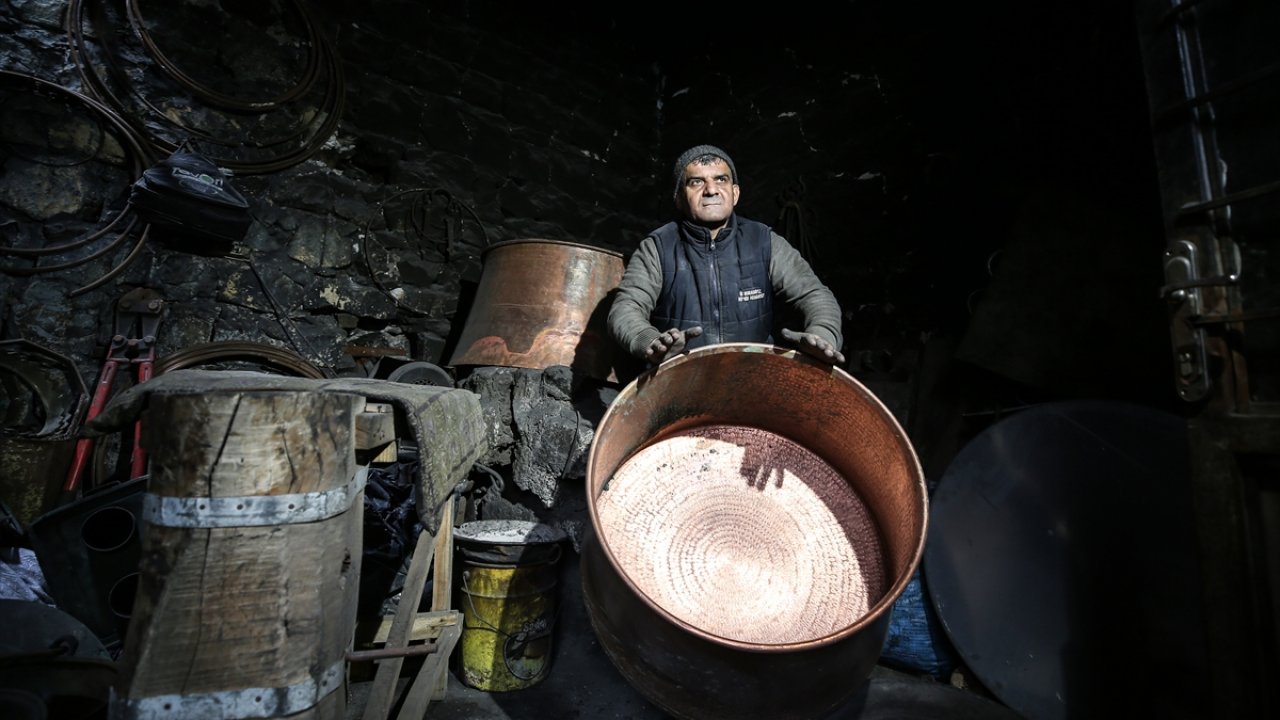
column 717, row 592
column 542, row 303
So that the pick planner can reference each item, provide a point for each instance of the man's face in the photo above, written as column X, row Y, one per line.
column 708, row 194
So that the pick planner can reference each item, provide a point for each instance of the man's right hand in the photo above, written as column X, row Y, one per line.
column 814, row 346
column 670, row 344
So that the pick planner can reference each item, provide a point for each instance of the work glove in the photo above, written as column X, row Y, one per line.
column 814, row 346
column 670, row 343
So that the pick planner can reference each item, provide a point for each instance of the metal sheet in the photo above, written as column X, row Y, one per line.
column 1062, row 562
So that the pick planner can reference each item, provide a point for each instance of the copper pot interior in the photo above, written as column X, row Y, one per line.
column 757, row 498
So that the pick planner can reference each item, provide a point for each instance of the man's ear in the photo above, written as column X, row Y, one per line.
column 736, row 192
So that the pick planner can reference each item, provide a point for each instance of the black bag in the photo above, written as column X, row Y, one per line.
column 191, row 203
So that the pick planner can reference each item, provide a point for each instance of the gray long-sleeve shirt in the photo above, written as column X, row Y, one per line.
column 794, row 284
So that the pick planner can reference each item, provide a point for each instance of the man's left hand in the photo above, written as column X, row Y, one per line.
column 814, row 346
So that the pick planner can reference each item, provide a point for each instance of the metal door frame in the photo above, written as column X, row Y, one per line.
column 1234, row 436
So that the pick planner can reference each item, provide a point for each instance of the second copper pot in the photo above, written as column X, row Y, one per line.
column 542, row 303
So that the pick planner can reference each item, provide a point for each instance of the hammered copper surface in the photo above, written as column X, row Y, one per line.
column 744, row 534
column 541, row 303
column 698, row 657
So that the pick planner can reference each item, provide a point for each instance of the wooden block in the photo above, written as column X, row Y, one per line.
column 426, row 626
column 376, row 433
column 231, row 603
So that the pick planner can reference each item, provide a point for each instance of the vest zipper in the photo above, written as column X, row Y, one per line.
column 715, row 295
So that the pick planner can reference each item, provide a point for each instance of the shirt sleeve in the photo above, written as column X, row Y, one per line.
column 635, row 299
column 795, row 283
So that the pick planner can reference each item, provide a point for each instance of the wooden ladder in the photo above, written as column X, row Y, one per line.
column 409, row 632
column 438, row 629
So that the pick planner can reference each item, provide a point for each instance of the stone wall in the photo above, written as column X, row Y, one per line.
column 905, row 152
column 488, row 132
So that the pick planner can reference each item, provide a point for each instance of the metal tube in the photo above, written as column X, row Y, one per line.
column 387, row 653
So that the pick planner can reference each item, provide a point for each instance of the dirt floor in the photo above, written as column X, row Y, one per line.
column 582, row 683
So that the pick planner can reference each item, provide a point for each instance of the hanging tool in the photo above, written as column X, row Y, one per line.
column 133, row 344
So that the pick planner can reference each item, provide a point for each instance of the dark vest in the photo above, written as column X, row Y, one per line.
column 722, row 285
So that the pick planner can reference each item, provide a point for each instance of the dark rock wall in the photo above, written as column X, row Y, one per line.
column 977, row 187
column 487, row 129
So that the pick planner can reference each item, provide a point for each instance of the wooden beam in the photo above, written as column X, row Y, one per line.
column 442, row 586
column 371, row 633
column 382, row 694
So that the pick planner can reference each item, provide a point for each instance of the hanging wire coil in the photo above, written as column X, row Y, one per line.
column 138, row 157
column 252, row 151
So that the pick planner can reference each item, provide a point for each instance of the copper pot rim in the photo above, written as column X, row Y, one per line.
column 548, row 241
column 872, row 616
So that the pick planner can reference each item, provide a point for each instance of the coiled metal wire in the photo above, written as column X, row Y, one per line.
column 251, row 152
column 139, row 157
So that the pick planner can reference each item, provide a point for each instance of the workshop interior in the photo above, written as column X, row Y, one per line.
column 310, row 406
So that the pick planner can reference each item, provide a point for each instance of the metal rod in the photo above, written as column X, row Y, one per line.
column 1225, row 89
column 386, row 653
column 1176, row 10
column 1236, row 317
column 1247, row 194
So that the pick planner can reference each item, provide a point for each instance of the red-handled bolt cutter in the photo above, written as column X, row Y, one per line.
column 133, row 344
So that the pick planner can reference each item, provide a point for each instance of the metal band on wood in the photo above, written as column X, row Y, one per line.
column 228, row 704
column 251, row 510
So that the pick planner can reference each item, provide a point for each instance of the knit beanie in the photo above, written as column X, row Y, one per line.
column 698, row 151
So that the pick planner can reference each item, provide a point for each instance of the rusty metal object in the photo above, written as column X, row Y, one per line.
column 427, row 648
column 541, row 303
column 42, row 401
column 273, row 358
column 44, row 395
column 810, row 666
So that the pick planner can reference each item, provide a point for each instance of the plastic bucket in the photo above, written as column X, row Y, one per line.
column 507, row 593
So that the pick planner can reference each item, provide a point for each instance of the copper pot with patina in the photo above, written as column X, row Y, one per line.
column 541, row 303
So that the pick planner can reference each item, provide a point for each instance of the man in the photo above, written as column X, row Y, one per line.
column 713, row 277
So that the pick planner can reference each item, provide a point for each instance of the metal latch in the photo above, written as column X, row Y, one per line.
column 1182, row 290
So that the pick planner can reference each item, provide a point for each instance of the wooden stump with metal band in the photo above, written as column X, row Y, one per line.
column 251, row 556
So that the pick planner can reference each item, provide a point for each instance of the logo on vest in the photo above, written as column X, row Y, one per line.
column 749, row 295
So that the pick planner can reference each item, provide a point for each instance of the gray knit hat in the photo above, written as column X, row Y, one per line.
column 696, row 152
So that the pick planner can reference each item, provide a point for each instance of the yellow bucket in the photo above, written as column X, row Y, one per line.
column 509, row 572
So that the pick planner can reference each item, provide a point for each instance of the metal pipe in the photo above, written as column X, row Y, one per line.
column 428, row 648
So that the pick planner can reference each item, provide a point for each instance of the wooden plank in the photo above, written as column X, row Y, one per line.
column 426, row 626
column 432, row 675
column 382, row 694
column 442, row 587
column 373, row 633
